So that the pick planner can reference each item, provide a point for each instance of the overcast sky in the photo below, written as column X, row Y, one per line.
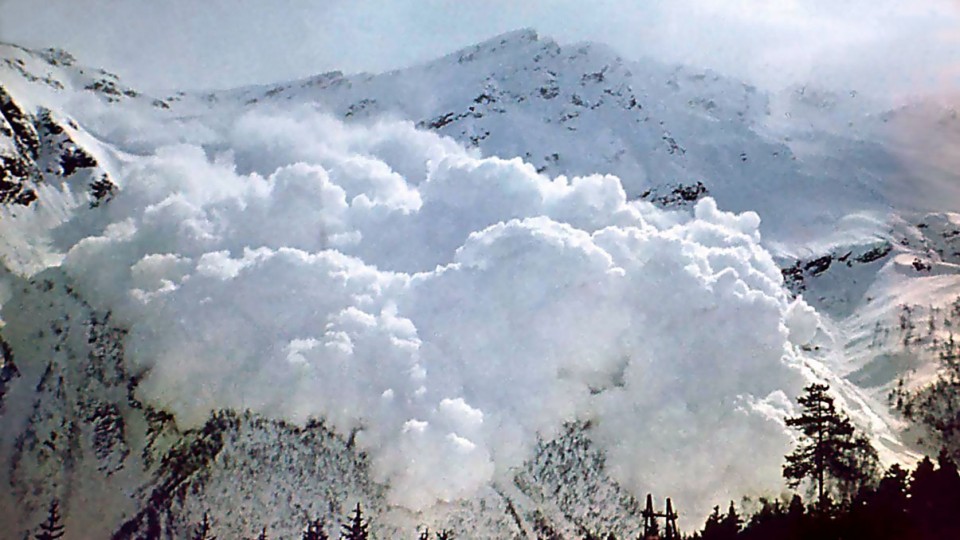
column 906, row 46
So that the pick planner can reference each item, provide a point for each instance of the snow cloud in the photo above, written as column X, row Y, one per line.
column 447, row 309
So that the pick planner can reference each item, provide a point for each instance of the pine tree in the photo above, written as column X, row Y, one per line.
column 356, row 528
column 720, row 526
column 52, row 528
column 732, row 521
column 946, row 485
column 830, row 446
column 202, row 531
column 882, row 512
column 315, row 531
column 263, row 534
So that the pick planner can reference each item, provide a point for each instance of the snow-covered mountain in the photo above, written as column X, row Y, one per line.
column 271, row 303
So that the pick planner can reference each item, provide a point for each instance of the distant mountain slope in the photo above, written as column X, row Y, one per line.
column 581, row 109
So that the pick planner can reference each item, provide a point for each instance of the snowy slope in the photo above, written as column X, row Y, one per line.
column 581, row 109
column 221, row 207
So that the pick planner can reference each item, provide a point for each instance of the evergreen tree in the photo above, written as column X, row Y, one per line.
column 52, row 527
column 442, row 535
column 882, row 512
column 732, row 521
column 356, row 528
column 315, row 531
column 934, row 499
column 923, row 495
column 937, row 405
column 830, row 447
column 202, row 531
column 263, row 534
column 722, row 526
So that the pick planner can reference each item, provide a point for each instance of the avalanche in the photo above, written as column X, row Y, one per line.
column 447, row 296
column 450, row 308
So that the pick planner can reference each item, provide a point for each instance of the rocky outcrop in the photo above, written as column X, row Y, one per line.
column 38, row 148
column 19, row 150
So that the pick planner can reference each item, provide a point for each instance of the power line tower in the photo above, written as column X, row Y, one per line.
column 651, row 527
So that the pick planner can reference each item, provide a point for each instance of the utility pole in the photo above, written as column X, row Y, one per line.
column 651, row 527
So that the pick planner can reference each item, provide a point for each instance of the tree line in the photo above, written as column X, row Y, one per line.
column 850, row 498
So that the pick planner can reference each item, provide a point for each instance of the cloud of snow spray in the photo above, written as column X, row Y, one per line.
column 450, row 308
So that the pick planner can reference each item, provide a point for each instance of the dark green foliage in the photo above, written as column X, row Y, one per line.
column 356, row 528
column 52, row 527
column 921, row 505
column 830, row 448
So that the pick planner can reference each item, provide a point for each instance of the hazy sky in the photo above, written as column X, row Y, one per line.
column 904, row 45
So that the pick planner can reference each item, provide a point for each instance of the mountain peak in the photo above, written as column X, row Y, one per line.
column 509, row 41
column 522, row 35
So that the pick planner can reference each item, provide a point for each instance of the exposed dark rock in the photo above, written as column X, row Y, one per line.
column 818, row 266
column 550, row 91
column 875, row 254
column 679, row 195
column 920, row 265
column 102, row 191
column 8, row 369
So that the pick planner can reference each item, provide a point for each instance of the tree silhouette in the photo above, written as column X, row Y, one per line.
column 315, row 531
column 830, row 446
column 202, row 531
column 356, row 528
column 934, row 496
column 882, row 512
column 720, row 526
column 441, row 535
column 52, row 527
